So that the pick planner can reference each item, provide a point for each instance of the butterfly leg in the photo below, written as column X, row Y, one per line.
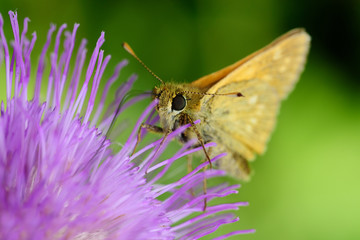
column 189, row 170
column 205, row 189
column 189, row 163
column 154, row 129
column 191, row 190
column 150, row 128
column 166, row 134
column 201, row 141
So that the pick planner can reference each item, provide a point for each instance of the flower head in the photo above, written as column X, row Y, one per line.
column 58, row 177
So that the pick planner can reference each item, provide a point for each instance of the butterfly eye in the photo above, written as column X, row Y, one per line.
column 178, row 103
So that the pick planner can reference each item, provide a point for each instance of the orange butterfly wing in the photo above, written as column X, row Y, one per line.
column 297, row 40
column 242, row 125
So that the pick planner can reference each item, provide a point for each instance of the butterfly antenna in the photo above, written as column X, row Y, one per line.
column 232, row 94
column 129, row 50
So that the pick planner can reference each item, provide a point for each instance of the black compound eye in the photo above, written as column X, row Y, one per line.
column 178, row 103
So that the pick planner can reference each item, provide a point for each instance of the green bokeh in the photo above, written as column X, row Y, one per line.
column 306, row 185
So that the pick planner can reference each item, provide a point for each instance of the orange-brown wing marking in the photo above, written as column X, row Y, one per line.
column 301, row 38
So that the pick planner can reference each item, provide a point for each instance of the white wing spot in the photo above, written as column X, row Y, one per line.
column 287, row 60
column 282, row 69
column 261, row 107
column 267, row 77
column 254, row 121
column 249, row 128
column 253, row 99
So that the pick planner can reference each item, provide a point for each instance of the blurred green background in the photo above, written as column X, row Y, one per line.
column 306, row 186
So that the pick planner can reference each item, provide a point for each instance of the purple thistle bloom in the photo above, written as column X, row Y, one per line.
column 58, row 177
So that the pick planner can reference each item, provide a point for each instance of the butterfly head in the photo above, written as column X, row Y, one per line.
column 174, row 101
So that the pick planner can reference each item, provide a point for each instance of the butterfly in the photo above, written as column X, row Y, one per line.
column 237, row 106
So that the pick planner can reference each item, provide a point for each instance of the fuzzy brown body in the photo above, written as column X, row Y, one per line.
column 241, row 126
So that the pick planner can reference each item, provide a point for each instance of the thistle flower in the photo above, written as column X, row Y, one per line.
column 58, row 177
